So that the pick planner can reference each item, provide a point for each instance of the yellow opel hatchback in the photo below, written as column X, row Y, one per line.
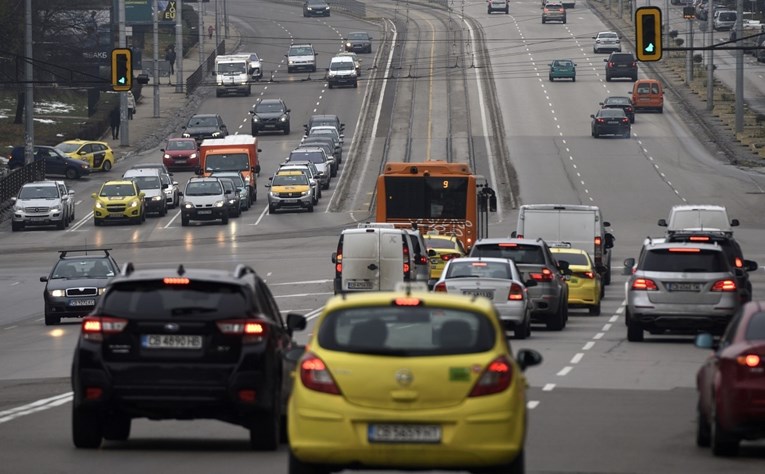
column 97, row 154
column 408, row 380
column 119, row 200
column 447, row 247
column 585, row 288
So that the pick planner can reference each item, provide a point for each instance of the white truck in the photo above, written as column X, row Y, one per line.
column 232, row 74
column 578, row 225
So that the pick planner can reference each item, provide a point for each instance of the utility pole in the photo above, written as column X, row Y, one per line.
column 217, row 26
column 711, row 62
column 739, row 67
column 179, row 46
column 124, row 134
column 29, row 89
column 201, row 46
column 225, row 16
column 155, row 85
column 689, row 53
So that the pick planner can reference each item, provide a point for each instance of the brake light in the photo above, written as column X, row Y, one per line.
column 610, row 64
column 724, row 285
column 628, row 109
column 407, row 268
column 749, row 360
column 516, row 292
column 545, row 275
column 520, row 236
column 508, row 245
column 94, row 327
column 600, row 120
column 699, row 238
column 496, row 378
column 407, row 301
column 634, row 63
column 478, row 264
column 339, row 263
column 440, row 287
column 685, row 249
column 252, row 331
column 175, row 281
column 422, row 260
column 448, row 256
column 315, row 376
column 645, row 284
column 625, row 120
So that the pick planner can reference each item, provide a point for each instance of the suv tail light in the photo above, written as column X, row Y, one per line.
column 496, row 378
column 544, row 275
column 407, row 268
column 516, row 292
column 724, row 285
column 94, row 327
column 610, row 64
column 339, row 260
column 440, row 287
column 251, row 330
column 588, row 275
column 315, row 376
column 645, row 284
column 600, row 120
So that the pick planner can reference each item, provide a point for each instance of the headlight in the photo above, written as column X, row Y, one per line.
column 309, row 8
column 101, row 291
column 232, row 201
column 186, row 135
column 243, row 192
column 193, row 155
column 304, row 193
column 99, row 205
column 84, row 166
column 220, row 203
column 291, row 61
column 216, row 134
column 18, row 207
column 353, row 73
column 284, row 118
column 166, row 156
column 255, row 118
column 57, row 293
column 157, row 198
column 57, row 207
column 348, row 45
column 188, row 205
column 327, row 8
column 134, row 204
column 247, row 179
column 273, row 194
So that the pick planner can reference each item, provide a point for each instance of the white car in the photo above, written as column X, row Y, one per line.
column 497, row 279
column 301, row 56
column 606, row 42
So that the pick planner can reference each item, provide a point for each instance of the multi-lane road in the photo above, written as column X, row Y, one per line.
column 431, row 88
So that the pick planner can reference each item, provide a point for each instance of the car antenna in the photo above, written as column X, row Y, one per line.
column 181, row 270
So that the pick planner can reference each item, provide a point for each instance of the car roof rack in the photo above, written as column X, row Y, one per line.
column 242, row 270
column 64, row 253
column 127, row 269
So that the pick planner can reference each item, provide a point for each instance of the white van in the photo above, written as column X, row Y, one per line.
column 419, row 253
column 372, row 259
column 581, row 226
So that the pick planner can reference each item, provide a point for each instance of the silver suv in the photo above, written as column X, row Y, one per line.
column 699, row 217
column 41, row 203
column 204, row 199
column 536, row 262
column 685, row 286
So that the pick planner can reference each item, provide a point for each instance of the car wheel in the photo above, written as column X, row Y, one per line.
column 62, row 224
column 507, row 11
column 310, row 208
column 87, row 428
column 97, row 222
column 626, row 134
column 296, row 466
column 573, row 79
column 608, row 78
column 550, row 77
column 264, row 432
column 329, row 85
column 184, row 221
column 271, row 209
column 117, row 428
column 634, row 331
column 607, row 277
column 517, row 466
column 634, row 78
column 522, row 330
column 543, row 21
column 557, row 321
column 595, row 310
column 661, row 110
column 564, row 22
column 72, row 173
column 703, row 429
column 488, row 11
column 107, row 165
column 596, row 133
column 224, row 220
column 253, row 131
column 287, row 130
column 313, row 69
column 51, row 320
column 356, row 85
column 15, row 226
column 723, row 442
column 289, row 69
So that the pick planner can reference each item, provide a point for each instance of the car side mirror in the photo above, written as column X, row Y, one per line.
column 293, row 355
column 606, row 224
column 268, row 185
column 706, row 341
column 93, row 195
column 734, row 223
column 530, row 283
column 82, row 152
column 528, row 358
column 432, row 253
column 175, row 183
column 162, row 150
column 750, row 265
column 295, row 322
column 14, row 199
column 198, row 171
column 142, row 195
column 183, row 128
column 662, row 223
column 629, row 263
column 610, row 240
column 180, row 193
column 71, row 192
column 563, row 265
column 43, row 279
column 334, row 257
column 605, row 60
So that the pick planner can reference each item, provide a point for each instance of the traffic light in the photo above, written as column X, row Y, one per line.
column 648, row 33
column 122, row 69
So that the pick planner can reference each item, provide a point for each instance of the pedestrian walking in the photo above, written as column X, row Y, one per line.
column 114, row 122
column 170, row 58
column 210, row 30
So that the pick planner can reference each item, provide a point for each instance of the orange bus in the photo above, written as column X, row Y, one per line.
column 440, row 197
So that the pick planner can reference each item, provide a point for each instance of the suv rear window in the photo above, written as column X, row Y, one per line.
column 406, row 331
column 147, row 300
column 622, row 58
column 666, row 260
column 519, row 253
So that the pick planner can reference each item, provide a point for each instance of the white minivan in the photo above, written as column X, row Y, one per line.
column 578, row 225
column 372, row 259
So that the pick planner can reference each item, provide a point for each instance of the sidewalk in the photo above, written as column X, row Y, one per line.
column 146, row 131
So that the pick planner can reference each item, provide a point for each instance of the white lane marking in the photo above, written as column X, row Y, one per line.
column 260, row 218
column 313, row 314
column 298, row 310
column 606, row 327
column 548, row 387
column 307, row 282
column 10, row 327
column 15, row 283
column 303, row 294
column 598, row 335
column 588, row 346
column 620, row 309
column 39, row 405
column 80, row 223
column 613, row 319
column 564, row 371
column 577, row 358
column 532, row 404
column 172, row 220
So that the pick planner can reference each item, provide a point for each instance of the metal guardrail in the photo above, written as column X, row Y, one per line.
column 12, row 183
column 198, row 77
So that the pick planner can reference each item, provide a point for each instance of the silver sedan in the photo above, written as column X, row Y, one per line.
column 497, row 279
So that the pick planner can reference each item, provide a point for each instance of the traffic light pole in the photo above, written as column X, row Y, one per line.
column 739, row 69
column 124, row 136
column 29, row 89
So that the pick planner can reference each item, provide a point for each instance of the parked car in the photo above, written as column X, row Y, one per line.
column 96, row 154
column 56, row 162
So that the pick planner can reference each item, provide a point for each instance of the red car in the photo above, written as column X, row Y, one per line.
column 180, row 153
column 731, row 383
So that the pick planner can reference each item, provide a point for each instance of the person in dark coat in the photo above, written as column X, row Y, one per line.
column 170, row 58
column 114, row 122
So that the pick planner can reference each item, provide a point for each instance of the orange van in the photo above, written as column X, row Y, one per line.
column 648, row 94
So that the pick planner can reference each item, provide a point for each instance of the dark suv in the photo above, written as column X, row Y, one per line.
column 56, row 162
column 536, row 262
column 621, row 65
column 183, row 344
column 203, row 126
column 270, row 115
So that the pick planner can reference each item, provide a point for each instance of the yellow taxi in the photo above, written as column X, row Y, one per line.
column 408, row 380
column 584, row 283
column 290, row 189
column 446, row 247
column 119, row 200
column 97, row 154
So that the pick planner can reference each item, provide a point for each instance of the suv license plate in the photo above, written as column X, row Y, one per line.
column 205, row 212
column 38, row 219
column 684, row 286
column 88, row 302
column 404, row 433
column 170, row 341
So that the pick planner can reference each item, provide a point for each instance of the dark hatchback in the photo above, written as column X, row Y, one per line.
column 75, row 283
column 610, row 122
column 56, row 162
column 620, row 102
column 621, row 65
column 183, row 344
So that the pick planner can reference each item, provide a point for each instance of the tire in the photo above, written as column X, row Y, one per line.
column 558, row 321
column 626, row 134
column 87, row 428
column 489, row 11
column 62, row 224
column 608, row 78
column 184, row 221
column 296, row 466
column 634, row 331
column 703, row 429
column 573, row 79
column 507, row 11
column 107, row 166
column 723, row 442
column 607, row 277
column 543, row 21
column 661, row 110
column 596, row 134
column 164, row 211
column 264, row 433
column 550, row 77
column 522, row 331
column 117, row 428
column 595, row 310
column 517, row 466
column 143, row 217
column 51, row 320
column 271, row 209
column 72, row 173
column 15, row 227
column 310, row 208
column 634, row 78
column 289, row 69
column 313, row 69
column 253, row 131
column 564, row 22
column 217, row 94
column 329, row 85
column 97, row 222
column 224, row 220
column 356, row 85
column 287, row 130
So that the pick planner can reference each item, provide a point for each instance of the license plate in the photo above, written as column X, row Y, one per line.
column 171, row 341
column 359, row 285
column 404, row 433
column 684, row 286
column 205, row 212
column 180, row 160
column 38, row 219
column 487, row 293
column 82, row 302
column 116, row 214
